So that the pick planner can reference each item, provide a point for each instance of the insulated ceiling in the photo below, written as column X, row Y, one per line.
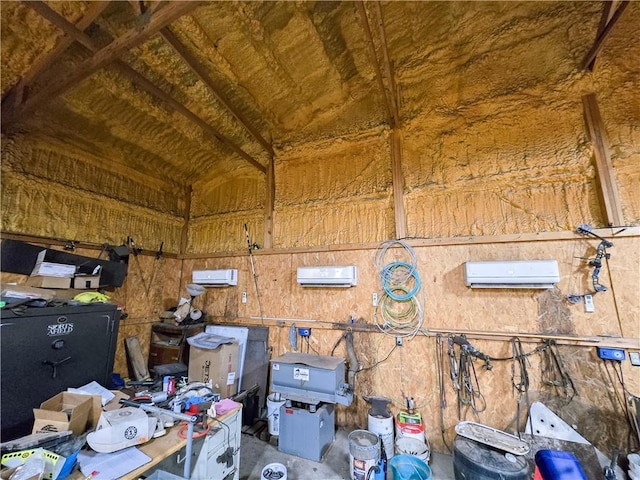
column 191, row 91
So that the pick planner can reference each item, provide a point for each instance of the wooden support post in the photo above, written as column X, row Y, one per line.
column 184, row 240
column 270, row 195
column 398, row 184
column 605, row 174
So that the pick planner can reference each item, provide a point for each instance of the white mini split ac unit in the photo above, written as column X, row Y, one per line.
column 512, row 274
column 216, row 278
column 338, row 276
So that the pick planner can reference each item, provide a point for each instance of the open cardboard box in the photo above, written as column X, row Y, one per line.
column 218, row 365
column 65, row 411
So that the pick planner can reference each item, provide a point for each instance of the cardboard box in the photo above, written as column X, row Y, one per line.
column 50, row 269
column 65, row 411
column 49, row 282
column 86, row 282
column 220, row 365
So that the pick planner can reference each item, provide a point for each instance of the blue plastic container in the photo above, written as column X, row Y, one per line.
column 559, row 465
column 408, row 467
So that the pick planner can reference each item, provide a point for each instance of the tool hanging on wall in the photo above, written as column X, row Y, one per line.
column 596, row 263
column 519, row 378
column 463, row 374
column 250, row 248
column 554, row 373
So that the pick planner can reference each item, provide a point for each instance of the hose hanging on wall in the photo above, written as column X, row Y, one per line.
column 399, row 313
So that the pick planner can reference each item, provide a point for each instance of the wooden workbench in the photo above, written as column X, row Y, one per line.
column 161, row 448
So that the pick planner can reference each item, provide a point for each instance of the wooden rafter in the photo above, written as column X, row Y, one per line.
column 17, row 95
column 374, row 59
column 197, row 68
column 101, row 58
column 391, row 106
column 393, row 101
column 602, row 153
column 146, row 84
column 603, row 32
column 143, row 82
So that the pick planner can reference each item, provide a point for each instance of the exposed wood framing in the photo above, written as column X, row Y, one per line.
column 270, row 195
column 433, row 242
column 143, row 82
column 605, row 174
column 101, row 58
column 392, row 112
column 393, row 101
column 184, row 240
column 398, row 184
column 374, row 58
column 590, row 57
column 201, row 73
column 19, row 93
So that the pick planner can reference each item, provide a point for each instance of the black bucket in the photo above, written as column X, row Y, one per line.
column 476, row 461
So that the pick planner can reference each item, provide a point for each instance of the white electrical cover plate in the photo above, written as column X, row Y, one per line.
column 634, row 358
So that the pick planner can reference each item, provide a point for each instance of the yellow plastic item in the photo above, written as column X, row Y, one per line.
column 89, row 297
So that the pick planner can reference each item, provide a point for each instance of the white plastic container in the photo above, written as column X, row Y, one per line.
column 414, row 447
column 383, row 427
column 273, row 413
column 273, row 471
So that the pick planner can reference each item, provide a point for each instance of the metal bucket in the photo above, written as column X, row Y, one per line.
column 364, row 453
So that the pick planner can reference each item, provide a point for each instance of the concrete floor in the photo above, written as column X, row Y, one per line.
column 255, row 454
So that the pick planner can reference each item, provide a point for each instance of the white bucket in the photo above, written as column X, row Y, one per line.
column 273, row 413
column 414, row 447
column 364, row 453
column 383, row 427
column 410, row 425
column 274, row 471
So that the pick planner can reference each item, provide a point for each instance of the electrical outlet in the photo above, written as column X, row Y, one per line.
column 399, row 341
column 589, row 306
column 244, row 297
column 374, row 299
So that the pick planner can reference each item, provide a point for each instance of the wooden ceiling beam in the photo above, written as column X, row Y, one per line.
column 154, row 90
column 606, row 179
column 374, row 58
column 395, row 117
column 197, row 68
column 61, row 23
column 143, row 82
column 103, row 57
column 590, row 57
column 18, row 93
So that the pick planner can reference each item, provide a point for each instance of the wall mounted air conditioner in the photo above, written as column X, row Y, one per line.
column 216, row 278
column 334, row 276
column 512, row 274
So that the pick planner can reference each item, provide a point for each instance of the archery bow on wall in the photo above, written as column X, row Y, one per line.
column 596, row 263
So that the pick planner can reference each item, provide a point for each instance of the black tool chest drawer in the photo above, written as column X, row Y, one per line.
column 44, row 351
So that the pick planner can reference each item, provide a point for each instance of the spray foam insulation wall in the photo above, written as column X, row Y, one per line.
column 51, row 190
